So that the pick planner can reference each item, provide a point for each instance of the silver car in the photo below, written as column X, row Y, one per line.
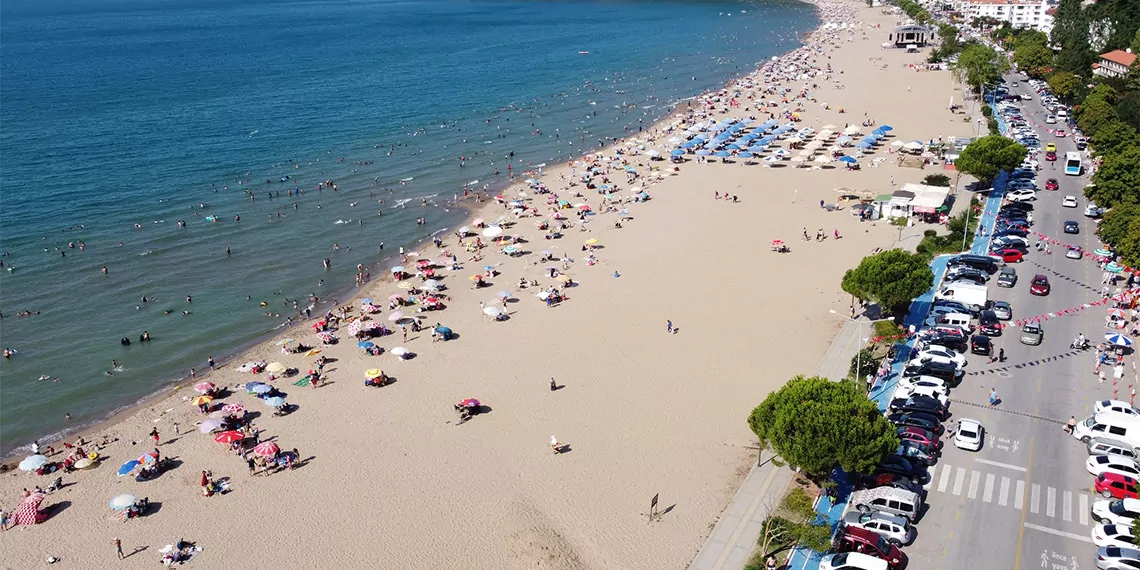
column 891, row 527
column 1116, row 558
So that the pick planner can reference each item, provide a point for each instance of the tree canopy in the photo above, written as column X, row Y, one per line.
column 986, row 157
column 1117, row 181
column 891, row 278
column 1070, row 33
column 1033, row 58
column 1114, row 137
column 817, row 425
column 794, row 522
column 1120, row 229
column 1091, row 116
column 1065, row 85
column 979, row 65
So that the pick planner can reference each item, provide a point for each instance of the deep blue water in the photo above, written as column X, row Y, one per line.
column 120, row 112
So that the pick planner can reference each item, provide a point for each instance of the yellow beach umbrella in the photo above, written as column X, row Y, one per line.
column 275, row 367
column 84, row 463
column 476, row 277
column 592, row 241
column 404, row 285
column 372, row 373
column 202, row 400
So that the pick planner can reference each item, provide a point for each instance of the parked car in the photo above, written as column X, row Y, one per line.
column 1097, row 464
column 948, row 339
column 1039, row 286
column 928, row 422
column 1010, row 255
column 851, row 561
column 894, row 528
column 1002, row 310
column 917, row 453
column 1115, row 406
column 1116, row 511
column 1069, row 202
column 1093, row 211
column 1007, row 277
column 949, row 373
column 1072, row 227
column 970, row 435
column 900, row 466
column 919, row 435
column 1113, row 535
column 981, row 262
column 1116, row 558
column 1031, row 334
column 921, row 404
column 940, row 353
column 1021, row 195
column 892, row 480
column 981, row 345
column 1074, row 253
column 989, row 323
column 1112, row 485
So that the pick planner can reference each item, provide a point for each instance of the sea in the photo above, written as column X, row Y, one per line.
column 187, row 147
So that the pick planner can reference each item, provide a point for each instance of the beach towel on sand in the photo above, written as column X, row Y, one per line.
column 304, row 381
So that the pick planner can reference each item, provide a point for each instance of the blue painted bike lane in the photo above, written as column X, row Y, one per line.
column 832, row 513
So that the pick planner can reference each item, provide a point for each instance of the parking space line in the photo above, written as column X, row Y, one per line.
column 1019, row 495
column 1067, row 505
column 1083, row 504
column 930, row 473
column 1000, row 464
column 1035, row 499
column 974, row 478
column 1050, row 502
column 988, row 492
column 944, row 479
column 1059, row 532
column 958, row 480
column 1003, row 495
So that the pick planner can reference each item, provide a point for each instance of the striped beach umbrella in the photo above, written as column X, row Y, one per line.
column 198, row 401
column 203, row 387
column 229, row 436
column 233, row 408
column 28, row 513
column 267, row 449
column 1118, row 339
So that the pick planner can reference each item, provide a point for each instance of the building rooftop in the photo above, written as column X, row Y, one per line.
column 1118, row 56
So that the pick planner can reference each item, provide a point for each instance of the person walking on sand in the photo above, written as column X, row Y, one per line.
column 118, row 548
column 669, row 327
column 154, row 434
column 553, row 385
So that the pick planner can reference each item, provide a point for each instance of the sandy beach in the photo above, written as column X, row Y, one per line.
column 388, row 479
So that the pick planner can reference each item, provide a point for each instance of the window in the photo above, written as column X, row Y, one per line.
column 1116, row 430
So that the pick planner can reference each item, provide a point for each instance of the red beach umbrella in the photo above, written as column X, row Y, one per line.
column 229, row 436
column 267, row 449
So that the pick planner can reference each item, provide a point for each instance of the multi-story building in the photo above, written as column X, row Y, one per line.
column 1033, row 14
column 1114, row 63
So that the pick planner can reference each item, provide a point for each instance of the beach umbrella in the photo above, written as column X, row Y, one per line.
column 503, row 294
column 123, row 502
column 592, row 241
column 203, row 387
column 492, row 311
column 127, row 467
column 229, row 437
column 365, row 344
column 445, row 331
column 328, row 336
column 652, row 153
column 33, row 462
column 396, row 316
column 1103, row 252
column 723, row 153
column 823, row 158
column 1118, row 339
column 774, row 158
column 84, row 463
column 848, row 159
column 399, row 351
column 236, row 408
column 284, row 341
column 372, row 373
column 397, row 269
column 353, row 328
column 1114, row 267
column 704, row 152
column 885, row 128
column 209, row 425
column 777, row 242
column 469, row 403
column 733, row 146
column 395, row 297
column 492, row 232
column 745, row 155
column 267, row 449
column 218, row 415
column 405, row 285
column 275, row 367
column 510, row 249
column 29, row 510
column 274, row 401
column 677, row 152
column 432, row 284
column 260, row 389
column 1117, row 313
column 691, row 144
column 198, row 401
column 148, row 457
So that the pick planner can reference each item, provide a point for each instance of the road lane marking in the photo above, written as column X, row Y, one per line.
column 930, row 473
column 1000, row 464
column 1067, row 505
column 974, row 478
column 1059, row 532
column 1021, row 530
column 988, row 492
column 1003, row 495
column 958, row 480
column 1035, row 499
column 944, row 479
column 1019, row 495
column 1083, row 501
column 1050, row 502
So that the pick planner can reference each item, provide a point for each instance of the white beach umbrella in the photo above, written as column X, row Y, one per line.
column 493, row 231
column 492, row 311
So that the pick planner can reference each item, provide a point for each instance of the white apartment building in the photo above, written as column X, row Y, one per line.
column 1019, row 13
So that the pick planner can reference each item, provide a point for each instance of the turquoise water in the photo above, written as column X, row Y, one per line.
column 125, row 112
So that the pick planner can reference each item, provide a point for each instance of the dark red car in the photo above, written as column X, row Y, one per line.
column 1010, row 256
column 1050, row 156
column 1039, row 286
column 919, row 435
column 861, row 540
column 1051, row 184
column 1117, row 486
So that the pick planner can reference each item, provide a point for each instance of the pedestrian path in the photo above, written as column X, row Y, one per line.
column 1011, row 492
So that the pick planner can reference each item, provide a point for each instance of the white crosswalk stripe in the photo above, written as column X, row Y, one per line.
column 1003, row 495
column 1035, row 499
column 1067, row 505
column 1083, row 508
column 974, row 478
column 1010, row 492
column 930, row 471
column 958, row 480
column 1051, row 502
column 988, row 492
column 1019, row 495
column 944, row 479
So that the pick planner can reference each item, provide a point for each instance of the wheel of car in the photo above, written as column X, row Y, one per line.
column 895, row 541
column 863, row 509
column 1085, row 440
column 1106, row 494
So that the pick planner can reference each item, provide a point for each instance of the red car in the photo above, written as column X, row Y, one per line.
column 1117, row 486
column 1050, row 156
column 1039, row 286
column 1010, row 256
column 1051, row 184
column 855, row 539
column 919, row 435
column 1061, row 134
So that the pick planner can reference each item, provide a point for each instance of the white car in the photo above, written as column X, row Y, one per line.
column 911, row 382
column 1098, row 464
column 891, row 527
column 1115, row 406
column 969, row 435
column 958, row 359
column 851, row 561
column 1026, row 97
column 1021, row 195
column 1113, row 535
column 920, row 360
column 904, row 392
column 1118, row 511
column 1051, row 120
column 1069, row 202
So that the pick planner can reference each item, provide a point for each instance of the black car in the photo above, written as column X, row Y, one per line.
column 900, row 466
column 949, row 340
column 1072, row 227
column 918, row 404
column 982, row 345
column 1023, row 206
column 949, row 373
column 958, row 307
column 1015, row 230
column 999, row 246
column 989, row 324
column 887, row 480
column 979, row 262
column 917, row 419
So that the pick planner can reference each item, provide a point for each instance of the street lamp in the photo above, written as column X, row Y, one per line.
column 859, row 353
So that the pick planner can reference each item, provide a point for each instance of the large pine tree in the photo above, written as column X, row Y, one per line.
column 1070, row 33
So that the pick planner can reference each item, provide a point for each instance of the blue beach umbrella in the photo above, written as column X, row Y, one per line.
column 260, row 389
column 863, row 144
column 128, row 467
column 510, row 249
column 1118, row 339
column 704, row 152
column 677, row 152
column 274, row 401
column 758, row 148
column 122, row 502
column 848, row 159
column 732, row 147
column 885, row 128
column 366, row 301
column 746, row 155
column 723, row 153
column 691, row 144
column 33, row 462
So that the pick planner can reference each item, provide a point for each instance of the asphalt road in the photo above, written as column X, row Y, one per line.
column 1023, row 501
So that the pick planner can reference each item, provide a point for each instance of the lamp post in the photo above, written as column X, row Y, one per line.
column 859, row 353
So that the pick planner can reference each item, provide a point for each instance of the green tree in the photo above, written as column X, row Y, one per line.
column 1033, row 58
column 794, row 521
column 1128, row 108
column 1070, row 33
column 1117, row 181
column 985, row 157
column 1114, row 137
column 1030, row 38
column 1065, row 85
column 817, row 425
column 1120, row 229
column 1134, row 47
column 938, row 179
column 1092, row 116
column 980, row 66
column 891, row 278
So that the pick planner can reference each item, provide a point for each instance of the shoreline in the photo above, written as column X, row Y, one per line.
column 472, row 207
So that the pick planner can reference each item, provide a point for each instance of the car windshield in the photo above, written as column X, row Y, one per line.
column 839, row 560
column 1117, row 508
column 968, row 434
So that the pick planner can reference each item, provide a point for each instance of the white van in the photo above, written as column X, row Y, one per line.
column 1118, row 426
column 954, row 320
column 1062, row 114
column 968, row 293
